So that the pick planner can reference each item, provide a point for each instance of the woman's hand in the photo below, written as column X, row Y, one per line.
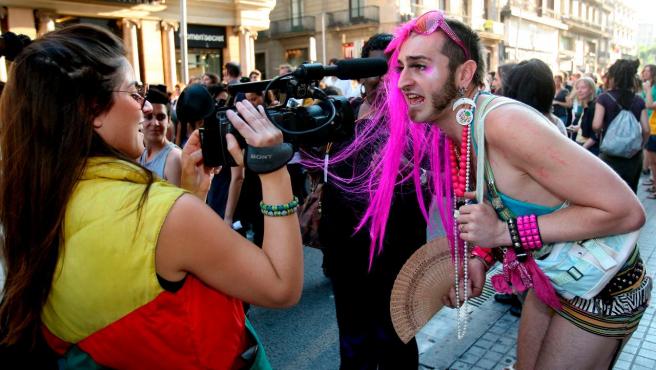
column 255, row 127
column 476, row 272
column 646, row 87
column 480, row 225
column 195, row 177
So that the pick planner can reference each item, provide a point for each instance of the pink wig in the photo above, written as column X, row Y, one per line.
column 403, row 147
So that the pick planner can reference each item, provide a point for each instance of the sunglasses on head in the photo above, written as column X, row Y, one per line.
column 429, row 22
column 158, row 116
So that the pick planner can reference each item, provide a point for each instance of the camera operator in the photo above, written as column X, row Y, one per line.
column 113, row 267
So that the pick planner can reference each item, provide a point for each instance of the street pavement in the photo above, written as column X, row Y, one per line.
column 305, row 336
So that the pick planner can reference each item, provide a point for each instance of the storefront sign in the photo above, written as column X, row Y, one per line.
column 203, row 37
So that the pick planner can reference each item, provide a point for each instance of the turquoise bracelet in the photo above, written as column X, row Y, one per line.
column 279, row 209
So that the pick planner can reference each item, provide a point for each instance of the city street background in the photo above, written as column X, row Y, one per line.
column 305, row 336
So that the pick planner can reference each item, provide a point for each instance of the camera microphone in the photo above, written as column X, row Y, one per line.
column 347, row 69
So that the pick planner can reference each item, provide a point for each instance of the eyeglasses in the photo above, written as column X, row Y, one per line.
column 158, row 116
column 429, row 22
column 140, row 95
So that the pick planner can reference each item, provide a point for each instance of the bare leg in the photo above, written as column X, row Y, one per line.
column 651, row 161
column 565, row 346
column 533, row 327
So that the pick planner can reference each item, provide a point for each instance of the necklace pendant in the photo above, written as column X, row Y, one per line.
column 464, row 117
column 456, row 213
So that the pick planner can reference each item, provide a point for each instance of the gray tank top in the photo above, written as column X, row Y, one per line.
column 158, row 162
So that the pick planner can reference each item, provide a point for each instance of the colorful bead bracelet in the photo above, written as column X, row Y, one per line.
column 279, row 209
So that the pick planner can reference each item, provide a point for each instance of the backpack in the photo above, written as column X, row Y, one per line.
column 623, row 137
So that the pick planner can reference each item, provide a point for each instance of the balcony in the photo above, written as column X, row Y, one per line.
column 291, row 27
column 529, row 7
column 366, row 15
column 585, row 27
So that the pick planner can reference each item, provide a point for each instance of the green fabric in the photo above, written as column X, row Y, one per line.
column 76, row 359
column 261, row 360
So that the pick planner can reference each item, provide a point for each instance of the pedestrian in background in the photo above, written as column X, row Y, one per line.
column 621, row 95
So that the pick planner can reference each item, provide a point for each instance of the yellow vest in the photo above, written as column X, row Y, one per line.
column 106, row 268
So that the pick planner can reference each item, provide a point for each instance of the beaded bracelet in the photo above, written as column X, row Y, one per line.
column 529, row 232
column 279, row 209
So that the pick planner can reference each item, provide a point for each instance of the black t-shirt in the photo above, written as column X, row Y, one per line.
column 558, row 110
column 348, row 252
column 612, row 109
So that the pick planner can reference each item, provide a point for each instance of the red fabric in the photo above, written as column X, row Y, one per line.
column 196, row 327
column 59, row 346
column 484, row 253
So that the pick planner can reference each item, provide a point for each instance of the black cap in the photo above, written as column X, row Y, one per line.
column 195, row 103
column 157, row 94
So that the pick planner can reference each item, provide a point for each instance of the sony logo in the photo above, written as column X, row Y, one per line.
column 261, row 156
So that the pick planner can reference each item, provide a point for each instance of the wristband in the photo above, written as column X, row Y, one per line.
column 529, row 232
column 269, row 159
column 515, row 239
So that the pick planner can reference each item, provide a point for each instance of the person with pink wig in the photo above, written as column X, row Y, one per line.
column 535, row 174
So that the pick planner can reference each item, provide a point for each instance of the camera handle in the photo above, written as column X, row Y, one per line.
column 269, row 159
column 316, row 93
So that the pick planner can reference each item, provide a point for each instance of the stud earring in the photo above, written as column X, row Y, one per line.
column 465, row 115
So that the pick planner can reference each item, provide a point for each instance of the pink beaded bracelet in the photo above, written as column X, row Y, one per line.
column 529, row 232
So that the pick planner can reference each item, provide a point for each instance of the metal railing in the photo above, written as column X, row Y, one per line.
column 292, row 25
column 354, row 16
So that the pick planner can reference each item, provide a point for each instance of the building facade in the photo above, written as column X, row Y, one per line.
column 218, row 31
column 316, row 30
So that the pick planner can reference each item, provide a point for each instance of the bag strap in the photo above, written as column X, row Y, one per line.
column 483, row 168
column 615, row 100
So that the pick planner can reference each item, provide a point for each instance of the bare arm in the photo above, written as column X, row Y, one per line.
column 649, row 97
column 234, row 190
column 173, row 167
column 646, row 130
column 598, row 120
column 195, row 240
column 541, row 165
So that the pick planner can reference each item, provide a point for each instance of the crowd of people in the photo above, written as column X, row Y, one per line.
column 123, row 250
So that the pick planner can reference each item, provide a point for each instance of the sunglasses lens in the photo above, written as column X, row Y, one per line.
column 428, row 22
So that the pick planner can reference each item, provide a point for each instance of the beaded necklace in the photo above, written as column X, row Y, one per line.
column 460, row 177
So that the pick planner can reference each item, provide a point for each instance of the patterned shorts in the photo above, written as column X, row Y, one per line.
column 617, row 310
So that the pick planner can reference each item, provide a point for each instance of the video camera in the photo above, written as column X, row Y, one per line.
column 330, row 118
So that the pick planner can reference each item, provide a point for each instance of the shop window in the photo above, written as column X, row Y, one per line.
column 200, row 61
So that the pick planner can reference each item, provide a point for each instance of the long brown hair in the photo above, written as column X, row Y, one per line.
column 56, row 87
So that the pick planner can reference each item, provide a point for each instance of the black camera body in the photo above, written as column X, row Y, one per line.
column 329, row 118
column 301, row 125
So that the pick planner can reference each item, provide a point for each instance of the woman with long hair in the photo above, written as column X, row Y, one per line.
column 621, row 95
column 582, row 98
column 110, row 266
